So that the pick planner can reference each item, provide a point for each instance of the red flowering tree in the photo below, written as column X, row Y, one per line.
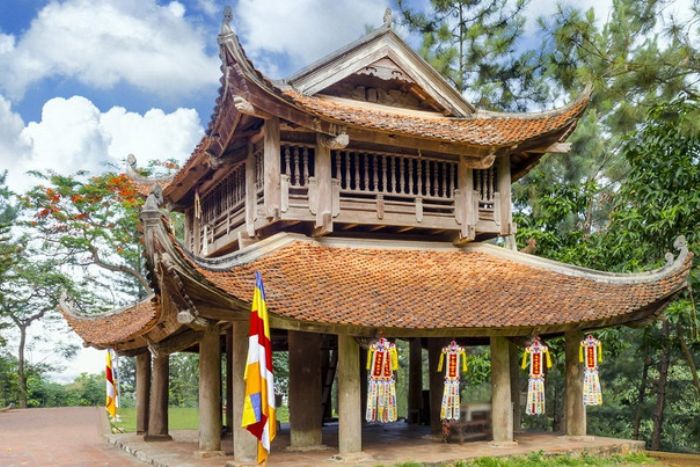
column 92, row 223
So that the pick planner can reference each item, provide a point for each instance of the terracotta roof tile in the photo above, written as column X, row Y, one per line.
column 409, row 288
column 116, row 326
column 483, row 129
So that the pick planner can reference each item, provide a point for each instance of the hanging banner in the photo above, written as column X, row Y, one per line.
column 456, row 358
column 382, row 361
column 590, row 353
column 538, row 354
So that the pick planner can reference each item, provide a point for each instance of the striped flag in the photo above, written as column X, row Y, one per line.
column 259, row 404
column 111, row 400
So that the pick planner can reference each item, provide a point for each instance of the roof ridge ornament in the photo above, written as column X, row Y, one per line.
column 226, row 20
column 388, row 18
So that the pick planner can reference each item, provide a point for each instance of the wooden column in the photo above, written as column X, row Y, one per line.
column 272, row 168
column 229, row 380
column 415, row 379
column 504, row 191
column 574, row 410
column 245, row 448
column 349, row 406
column 501, row 408
column 305, row 408
column 324, row 198
column 515, row 384
column 209, row 392
column 363, row 383
column 158, row 404
column 251, row 199
column 436, row 382
column 467, row 202
column 143, row 387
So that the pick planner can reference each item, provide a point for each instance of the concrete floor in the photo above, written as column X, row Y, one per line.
column 63, row 436
column 382, row 444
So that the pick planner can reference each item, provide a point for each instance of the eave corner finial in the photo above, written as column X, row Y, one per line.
column 387, row 18
column 131, row 161
column 226, row 20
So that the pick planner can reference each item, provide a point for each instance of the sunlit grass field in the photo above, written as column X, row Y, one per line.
column 179, row 418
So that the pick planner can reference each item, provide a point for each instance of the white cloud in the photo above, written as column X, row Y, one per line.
column 73, row 134
column 304, row 30
column 210, row 7
column 151, row 47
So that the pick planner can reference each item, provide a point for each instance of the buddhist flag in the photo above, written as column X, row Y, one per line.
column 111, row 400
column 259, row 404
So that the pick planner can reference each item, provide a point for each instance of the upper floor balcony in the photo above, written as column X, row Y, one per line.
column 305, row 183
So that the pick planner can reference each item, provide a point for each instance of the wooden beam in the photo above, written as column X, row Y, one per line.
column 176, row 343
column 555, row 148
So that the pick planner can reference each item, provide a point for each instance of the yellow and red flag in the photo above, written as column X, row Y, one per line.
column 259, row 404
column 111, row 400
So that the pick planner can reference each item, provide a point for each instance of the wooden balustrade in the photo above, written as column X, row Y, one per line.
column 367, row 187
column 485, row 184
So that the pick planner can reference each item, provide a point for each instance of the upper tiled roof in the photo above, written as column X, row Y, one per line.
column 106, row 329
column 482, row 129
column 477, row 287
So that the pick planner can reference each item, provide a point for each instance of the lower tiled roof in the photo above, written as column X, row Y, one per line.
column 103, row 330
column 437, row 288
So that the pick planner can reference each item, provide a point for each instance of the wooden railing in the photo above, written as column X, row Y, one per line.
column 485, row 184
column 366, row 187
column 398, row 181
column 297, row 167
column 223, row 208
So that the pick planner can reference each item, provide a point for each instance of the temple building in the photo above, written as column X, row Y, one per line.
column 369, row 194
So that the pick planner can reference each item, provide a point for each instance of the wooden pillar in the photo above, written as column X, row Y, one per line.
column 143, row 387
column 209, row 391
column 574, row 410
column 158, row 404
column 415, row 379
column 363, row 383
column 245, row 448
column 501, row 407
column 468, row 203
column 504, row 192
column 515, row 385
column 305, row 405
column 436, row 383
column 349, row 406
column 324, row 196
column 272, row 168
column 229, row 380
column 251, row 192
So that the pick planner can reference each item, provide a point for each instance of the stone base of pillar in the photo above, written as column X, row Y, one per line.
column 141, row 433
column 503, row 444
column 208, row 454
column 157, row 438
column 315, row 447
column 586, row 438
column 235, row 463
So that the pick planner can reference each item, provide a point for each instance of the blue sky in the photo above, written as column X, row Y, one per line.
column 86, row 82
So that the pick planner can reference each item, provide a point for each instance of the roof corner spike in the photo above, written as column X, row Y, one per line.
column 226, row 20
column 387, row 18
column 680, row 244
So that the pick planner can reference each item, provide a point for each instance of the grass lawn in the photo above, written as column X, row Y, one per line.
column 537, row 459
column 179, row 418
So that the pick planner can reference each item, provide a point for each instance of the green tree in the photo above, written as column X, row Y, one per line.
column 30, row 290
column 472, row 43
column 92, row 224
